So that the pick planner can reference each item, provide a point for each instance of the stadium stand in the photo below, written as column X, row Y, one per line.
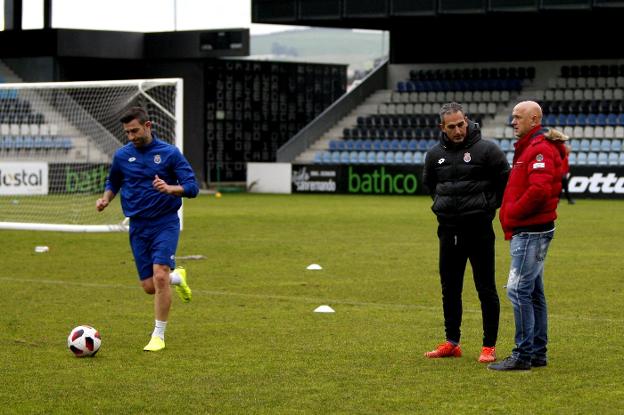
column 398, row 126
column 25, row 133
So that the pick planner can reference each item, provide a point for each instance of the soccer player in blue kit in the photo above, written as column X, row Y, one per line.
column 152, row 176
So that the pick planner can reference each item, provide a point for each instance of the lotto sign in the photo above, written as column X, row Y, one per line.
column 24, row 178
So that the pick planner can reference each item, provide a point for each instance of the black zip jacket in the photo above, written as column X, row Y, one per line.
column 465, row 180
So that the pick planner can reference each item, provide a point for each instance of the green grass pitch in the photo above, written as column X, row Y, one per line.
column 249, row 342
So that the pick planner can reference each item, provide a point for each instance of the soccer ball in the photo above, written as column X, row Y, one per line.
column 84, row 341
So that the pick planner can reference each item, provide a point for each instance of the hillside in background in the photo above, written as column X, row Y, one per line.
column 358, row 49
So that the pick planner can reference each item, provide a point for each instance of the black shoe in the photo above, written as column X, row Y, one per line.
column 538, row 362
column 510, row 363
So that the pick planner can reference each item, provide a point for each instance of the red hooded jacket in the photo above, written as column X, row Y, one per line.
column 534, row 185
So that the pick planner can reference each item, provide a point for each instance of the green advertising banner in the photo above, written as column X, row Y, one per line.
column 358, row 179
column 77, row 178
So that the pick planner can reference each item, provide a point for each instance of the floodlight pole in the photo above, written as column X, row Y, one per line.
column 47, row 14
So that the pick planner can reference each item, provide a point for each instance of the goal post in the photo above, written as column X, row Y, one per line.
column 57, row 141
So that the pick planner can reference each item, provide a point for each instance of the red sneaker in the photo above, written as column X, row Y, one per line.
column 446, row 349
column 488, row 355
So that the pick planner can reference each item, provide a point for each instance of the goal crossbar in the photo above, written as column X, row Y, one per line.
column 57, row 140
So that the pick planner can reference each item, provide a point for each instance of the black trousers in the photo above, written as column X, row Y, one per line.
column 474, row 242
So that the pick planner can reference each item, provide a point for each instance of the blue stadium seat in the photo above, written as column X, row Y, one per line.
column 584, row 145
column 38, row 143
column 371, row 157
column 581, row 119
column 395, row 145
column 571, row 120
column 27, row 143
column 336, row 156
column 601, row 119
column 603, row 158
column 504, row 144
column 59, row 143
column 612, row 119
column 389, row 157
column 367, row 145
column 418, row 133
column 408, row 157
column 8, row 94
column 591, row 119
column 385, row 144
column 581, row 158
column 575, row 144
column 572, row 159
column 429, row 132
column 422, row 145
column 380, row 157
column 412, row 145
column 353, row 157
column 509, row 157
column 398, row 157
column 6, row 143
column 592, row 158
column 318, row 157
column 18, row 142
column 621, row 159
column 333, row 145
column 431, row 142
column 616, row 145
column 594, row 145
column 418, row 157
column 613, row 159
column 550, row 120
column 379, row 134
column 605, row 144
column 404, row 144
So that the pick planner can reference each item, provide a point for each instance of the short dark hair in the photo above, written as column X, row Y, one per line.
column 450, row 108
column 135, row 113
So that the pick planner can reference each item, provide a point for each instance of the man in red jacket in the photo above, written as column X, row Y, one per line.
column 527, row 215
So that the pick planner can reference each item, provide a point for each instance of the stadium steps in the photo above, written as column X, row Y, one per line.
column 7, row 74
column 368, row 107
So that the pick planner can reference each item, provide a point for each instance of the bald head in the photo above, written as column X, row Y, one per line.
column 526, row 115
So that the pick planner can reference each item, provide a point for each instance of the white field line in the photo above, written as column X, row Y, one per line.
column 312, row 300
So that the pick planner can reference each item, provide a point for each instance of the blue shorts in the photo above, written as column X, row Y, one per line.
column 154, row 241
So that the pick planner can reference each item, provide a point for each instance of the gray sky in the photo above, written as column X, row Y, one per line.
column 143, row 15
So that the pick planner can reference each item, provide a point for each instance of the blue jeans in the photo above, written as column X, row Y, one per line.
column 525, row 289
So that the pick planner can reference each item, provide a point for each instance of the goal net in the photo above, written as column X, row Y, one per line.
column 57, row 142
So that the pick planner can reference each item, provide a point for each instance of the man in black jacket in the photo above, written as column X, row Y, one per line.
column 466, row 177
